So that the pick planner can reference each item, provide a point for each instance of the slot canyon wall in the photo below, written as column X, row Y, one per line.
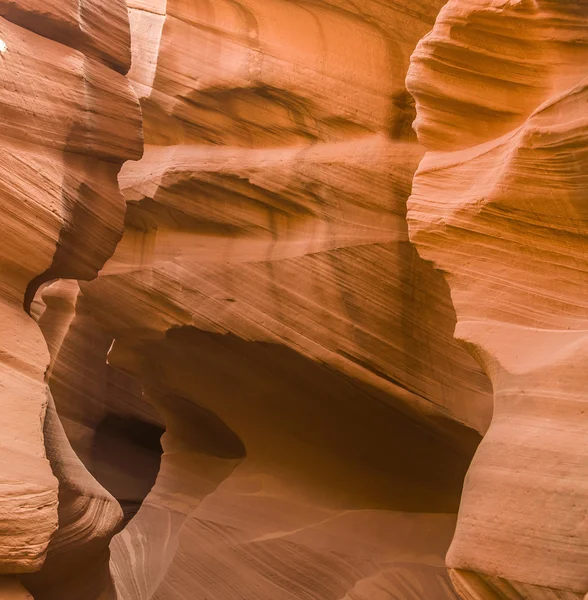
column 294, row 300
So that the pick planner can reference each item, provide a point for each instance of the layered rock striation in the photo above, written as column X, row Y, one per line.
column 69, row 120
column 499, row 205
column 266, row 296
column 233, row 366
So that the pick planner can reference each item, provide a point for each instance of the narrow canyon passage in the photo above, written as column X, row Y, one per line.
column 111, row 428
column 265, row 451
column 293, row 300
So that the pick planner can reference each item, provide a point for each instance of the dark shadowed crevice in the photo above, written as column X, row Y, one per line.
column 125, row 456
column 267, row 392
column 103, row 442
column 111, row 427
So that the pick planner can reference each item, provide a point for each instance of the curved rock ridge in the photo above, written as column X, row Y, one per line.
column 500, row 208
column 324, row 207
column 69, row 119
column 488, row 64
column 319, row 415
column 232, row 364
column 97, row 28
column 96, row 407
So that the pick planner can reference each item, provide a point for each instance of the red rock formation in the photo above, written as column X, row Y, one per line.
column 500, row 208
column 261, row 301
column 69, row 120
column 266, row 296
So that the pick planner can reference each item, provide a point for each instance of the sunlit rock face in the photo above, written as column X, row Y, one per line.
column 499, row 205
column 69, row 119
column 319, row 415
column 233, row 366
column 270, row 201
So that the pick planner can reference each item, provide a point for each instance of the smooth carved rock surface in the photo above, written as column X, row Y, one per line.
column 69, row 120
column 235, row 368
column 319, row 416
column 499, row 205
column 269, row 149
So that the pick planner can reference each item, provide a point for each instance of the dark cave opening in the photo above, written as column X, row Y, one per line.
column 109, row 424
column 125, row 456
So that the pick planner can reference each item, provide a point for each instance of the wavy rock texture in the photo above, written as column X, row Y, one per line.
column 499, row 205
column 246, row 386
column 100, row 415
column 319, row 416
column 69, row 120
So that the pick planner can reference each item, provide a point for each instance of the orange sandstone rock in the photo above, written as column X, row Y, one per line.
column 500, row 208
column 319, row 416
column 250, row 284
column 69, row 120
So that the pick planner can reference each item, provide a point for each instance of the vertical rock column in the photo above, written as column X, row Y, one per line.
column 68, row 121
column 499, row 206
